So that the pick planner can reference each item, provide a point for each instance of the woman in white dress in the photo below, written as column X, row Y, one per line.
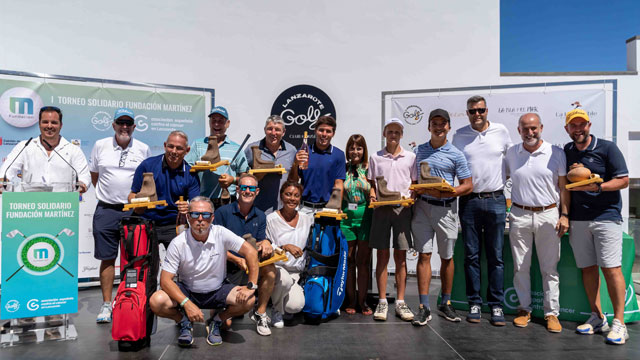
column 289, row 230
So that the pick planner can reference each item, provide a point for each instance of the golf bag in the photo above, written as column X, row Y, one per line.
column 326, row 281
column 139, row 260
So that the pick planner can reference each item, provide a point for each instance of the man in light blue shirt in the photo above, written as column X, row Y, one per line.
column 435, row 215
column 212, row 182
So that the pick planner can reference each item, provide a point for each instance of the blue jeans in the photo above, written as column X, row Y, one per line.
column 486, row 216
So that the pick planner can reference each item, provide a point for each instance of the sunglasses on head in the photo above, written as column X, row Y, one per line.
column 196, row 214
column 478, row 110
column 251, row 188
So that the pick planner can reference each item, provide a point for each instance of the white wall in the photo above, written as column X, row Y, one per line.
column 250, row 51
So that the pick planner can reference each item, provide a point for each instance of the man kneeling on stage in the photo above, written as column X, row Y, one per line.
column 199, row 257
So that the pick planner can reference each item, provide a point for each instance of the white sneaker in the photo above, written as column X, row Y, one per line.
column 276, row 319
column 593, row 325
column 104, row 316
column 403, row 311
column 381, row 312
column 618, row 334
column 262, row 321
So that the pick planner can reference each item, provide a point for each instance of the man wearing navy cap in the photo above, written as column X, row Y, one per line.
column 595, row 223
column 225, row 177
column 113, row 161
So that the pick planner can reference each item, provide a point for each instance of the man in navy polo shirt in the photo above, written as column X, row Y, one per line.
column 173, row 179
column 596, row 223
column 242, row 218
column 325, row 167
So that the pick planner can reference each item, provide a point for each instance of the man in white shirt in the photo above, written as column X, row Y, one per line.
column 112, row 164
column 50, row 162
column 199, row 258
column 539, row 175
column 483, row 211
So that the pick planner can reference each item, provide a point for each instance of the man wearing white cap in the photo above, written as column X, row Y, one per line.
column 596, row 223
column 112, row 164
column 398, row 167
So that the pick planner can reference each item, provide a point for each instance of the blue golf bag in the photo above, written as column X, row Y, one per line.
column 326, row 281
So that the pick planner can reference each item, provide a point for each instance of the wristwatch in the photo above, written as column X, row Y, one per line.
column 252, row 286
column 599, row 187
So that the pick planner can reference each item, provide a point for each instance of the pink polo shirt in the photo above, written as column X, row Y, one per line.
column 399, row 171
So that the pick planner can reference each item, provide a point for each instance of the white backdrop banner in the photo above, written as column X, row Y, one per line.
column 505, row 105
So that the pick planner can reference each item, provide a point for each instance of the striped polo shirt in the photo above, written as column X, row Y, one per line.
column 446, row 162
column 209, row 179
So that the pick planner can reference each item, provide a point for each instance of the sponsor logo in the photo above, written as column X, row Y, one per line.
column 412, row 255
column 141, row 123
column 343, row 273
column 12, row 305
column 19, row 107
column 511, row 300
column 101, row 121
column 33, row 305
column 89, row 268
column 300, row 106
column 77, row 142
column 413, row 114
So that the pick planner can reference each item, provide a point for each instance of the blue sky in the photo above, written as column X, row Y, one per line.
column 566, row 35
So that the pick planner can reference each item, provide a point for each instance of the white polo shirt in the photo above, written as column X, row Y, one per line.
column 202, row 267
column 37, row 166
column 535, row 175
column 115, row 167
column 485, row 155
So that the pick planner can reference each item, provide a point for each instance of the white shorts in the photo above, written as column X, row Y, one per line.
column 433, row 221
column 596, row 243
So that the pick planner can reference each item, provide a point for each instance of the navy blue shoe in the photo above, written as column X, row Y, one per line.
column 186, row 333
column 214, row 338
column 497, row 316
column 474, row 314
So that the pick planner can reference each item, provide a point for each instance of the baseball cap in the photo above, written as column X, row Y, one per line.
column 125, row 113
column 220, row 110
column 440, row 113
column 576, row 113
column 393, row 121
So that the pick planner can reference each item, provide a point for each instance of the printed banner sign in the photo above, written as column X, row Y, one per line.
column 39, row 254
column 88, row 110
column 504, row 107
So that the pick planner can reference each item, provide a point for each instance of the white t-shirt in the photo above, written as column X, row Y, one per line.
column 282, row 234
column 39, row 167
column 534, row 175
column 485, row 155
column 202, row 267
column 115, row 167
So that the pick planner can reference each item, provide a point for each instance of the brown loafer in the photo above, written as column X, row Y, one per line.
column 553, row 325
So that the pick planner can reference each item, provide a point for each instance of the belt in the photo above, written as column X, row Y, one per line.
column 534, row 208
column 483, row 195
column 110, row 206
column 444, row 203
column 312, row 205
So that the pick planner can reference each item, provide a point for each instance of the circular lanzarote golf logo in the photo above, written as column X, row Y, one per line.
column 20, row 106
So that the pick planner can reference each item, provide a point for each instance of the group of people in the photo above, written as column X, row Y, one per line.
column 215, row 264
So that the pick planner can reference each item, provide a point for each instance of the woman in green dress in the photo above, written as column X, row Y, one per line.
column 355, row 202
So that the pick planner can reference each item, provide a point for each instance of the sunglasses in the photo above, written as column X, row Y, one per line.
column 251, row 188
column 479, row 111
column 196, row 214
column 124, row 122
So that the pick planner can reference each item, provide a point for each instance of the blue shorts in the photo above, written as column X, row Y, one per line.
column 215, row 299
column 106, row 230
